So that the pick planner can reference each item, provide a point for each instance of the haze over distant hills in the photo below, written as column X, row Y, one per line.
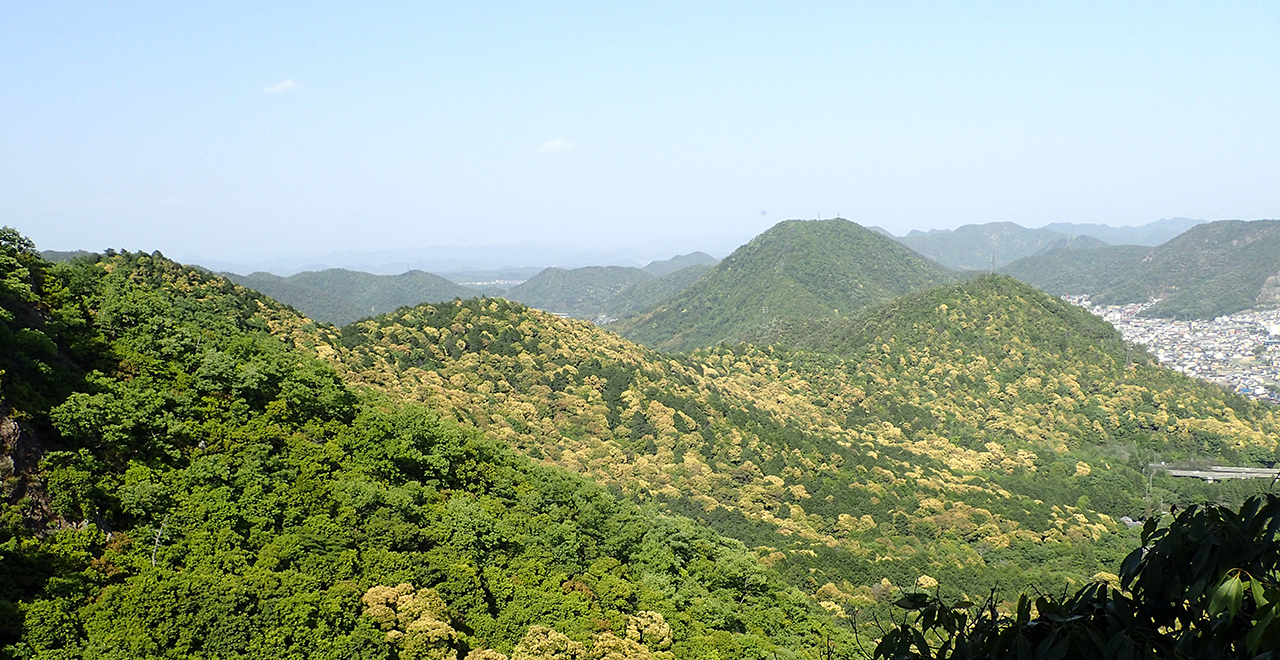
column 796, row 269
column 1212, row 269
column 660, row 268
column 609, row 290
column 340, row 296
column 580, row 293
column 449, row 259
column 1151, row 234
column 983, row 247
column 646, row 294
column 996, row 244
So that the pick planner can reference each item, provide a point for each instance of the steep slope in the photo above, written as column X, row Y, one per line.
column 977, row 434
column 661, row 268
column 973, row 247
column 1078, row 271
column 1212, row 269
column 797, row 269
column 340, row 296
column 215, row 491
column 969, row 435
column 579, row 293
column 645, row 294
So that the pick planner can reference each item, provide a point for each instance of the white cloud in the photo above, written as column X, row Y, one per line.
column 286, row 86
column 558, row 144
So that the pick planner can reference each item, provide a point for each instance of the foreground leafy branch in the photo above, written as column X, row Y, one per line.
column 1203, row 587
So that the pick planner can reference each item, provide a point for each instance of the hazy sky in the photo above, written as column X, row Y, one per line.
column 271, row 128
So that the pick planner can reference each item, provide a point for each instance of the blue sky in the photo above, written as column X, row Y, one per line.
column 266, row 129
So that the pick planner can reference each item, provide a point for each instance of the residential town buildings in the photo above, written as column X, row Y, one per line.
column 1240, row 351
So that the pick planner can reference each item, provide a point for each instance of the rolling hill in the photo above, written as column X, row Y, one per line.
column 578, row 293
column 956, row 438
column 1077, row 271
column 1213, row 269
column 797, row 269
column 340, row 296
column 978, row 434
column 645, row 294
column 187, row 484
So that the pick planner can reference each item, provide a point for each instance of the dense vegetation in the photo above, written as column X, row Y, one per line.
column 204, row 487
column 643, row 295
column 1206, row 586
column 975, row 247
column 197, row 470
column 1213, row 269
column 972, row 435
column 1077, row 271
column 796, row 269
column 340, row 296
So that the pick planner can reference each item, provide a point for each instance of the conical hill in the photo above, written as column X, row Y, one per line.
column 797, row 269
column 983, row 316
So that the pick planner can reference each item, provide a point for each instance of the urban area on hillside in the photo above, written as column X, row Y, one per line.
column 1240, row 351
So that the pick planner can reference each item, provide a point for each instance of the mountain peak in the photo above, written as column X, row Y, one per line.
column 796, row 269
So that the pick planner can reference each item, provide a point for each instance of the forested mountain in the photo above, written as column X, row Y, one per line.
column 680, row 262
column 610, row 291
column 1212, row 269
column 972, row 247
column 1078, row 271
column 579, row 293
column 197, row 470
column 183, row 478
column 340, row 296
column 980, row 247
column 971, row 435
column 797, row 269
column 648, row 293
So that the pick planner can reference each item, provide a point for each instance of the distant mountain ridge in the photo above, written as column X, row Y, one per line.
column 1150, row 234
column 666, row 267
column 643, row 295
column 796, row 269
column 1087, row 270
column 340, row 296
column 610, row 291
column 1212, row 269
column 995, row 245
column 983, row 247
column 579, row 293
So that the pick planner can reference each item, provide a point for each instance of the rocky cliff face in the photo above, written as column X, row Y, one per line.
column 20, row 455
